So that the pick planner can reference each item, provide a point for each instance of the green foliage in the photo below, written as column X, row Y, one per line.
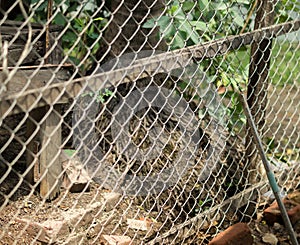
column 287, row 10
column 100, row 96
column 203, row 205
column 285, row 63
column 69, row 152
column 81, row 41
column 185, row 23
column 192, row 22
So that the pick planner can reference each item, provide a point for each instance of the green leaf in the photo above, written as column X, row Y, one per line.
column 93, row 35
column 70, row 36
column 203, row 4
column 98, row 19
column 187, row 6
column 220, row 6
column 164, row 22
column 100, row 98
column 243, row 1
column 59, row 19
column 90, row 6
column 238, row 19
column 199, row 25
column 149, row 24
column 225, row 79
column 190, row 33
column 173, row 10
column 107, row 92
column 34, row 1
column 75, row 60
column 69, row 152
column 178, row 41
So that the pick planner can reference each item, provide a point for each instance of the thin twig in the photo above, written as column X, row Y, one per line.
column 49, row 14
column 249, row 16
column 4, row 50
column 250, row 13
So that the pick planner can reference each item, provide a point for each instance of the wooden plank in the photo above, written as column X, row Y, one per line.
column 18, row 24
column 17, row 36
column 24, row 80
column 50, row 163
column 161, row 63
column 32, row 148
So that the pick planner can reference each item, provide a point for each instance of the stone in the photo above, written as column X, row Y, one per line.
column 238, row 234
column 52, row 231
column 34, row 229
column 117, row 240
column 142, row 225
column 272, row 214
column 111, row 200
column 270, row 238
column 75, row 178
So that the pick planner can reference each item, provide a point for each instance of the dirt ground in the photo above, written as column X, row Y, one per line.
column 283, row 124
column 114, row 221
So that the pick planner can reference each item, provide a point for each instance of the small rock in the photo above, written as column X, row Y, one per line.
column 270, row 239
column 117, row 240
column 111, row 200
column 75, row 178
column 142, row 225
column 277, row 226
column 238, row 234
column 272, row 214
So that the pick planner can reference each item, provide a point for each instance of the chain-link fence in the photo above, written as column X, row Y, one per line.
column 121, row 121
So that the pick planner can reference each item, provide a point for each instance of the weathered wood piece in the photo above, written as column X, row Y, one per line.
column 16, row 33
column 50, row 162
column 43, row 129
column 25, row 80
column 161, row 63
column 32, row 148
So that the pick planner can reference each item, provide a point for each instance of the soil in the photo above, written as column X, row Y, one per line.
column 283, row 124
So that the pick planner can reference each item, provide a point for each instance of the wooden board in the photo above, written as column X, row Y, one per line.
column 16, row 34
column 25, row 80
column 50, row 163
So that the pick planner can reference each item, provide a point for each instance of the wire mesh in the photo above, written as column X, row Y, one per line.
column 121, row 120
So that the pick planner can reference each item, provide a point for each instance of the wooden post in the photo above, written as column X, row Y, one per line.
column 50, row 162
column 32, row 146
column 258, row 84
